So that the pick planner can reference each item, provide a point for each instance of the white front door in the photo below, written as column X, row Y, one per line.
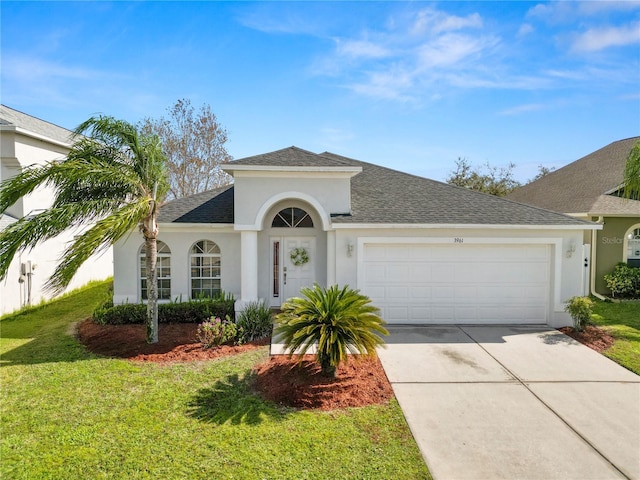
column 287, row 277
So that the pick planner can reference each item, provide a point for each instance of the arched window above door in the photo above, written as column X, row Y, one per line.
column 292, row 217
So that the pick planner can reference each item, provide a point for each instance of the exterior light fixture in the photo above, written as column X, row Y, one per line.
column 349, row 249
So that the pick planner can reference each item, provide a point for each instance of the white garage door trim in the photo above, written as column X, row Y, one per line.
column 555, row 258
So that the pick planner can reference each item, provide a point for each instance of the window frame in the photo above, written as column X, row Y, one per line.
column 163, row 266
column 205, row 253
column 292, row 217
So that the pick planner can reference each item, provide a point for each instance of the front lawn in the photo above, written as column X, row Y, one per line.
column 622, row 321
column 66, row 413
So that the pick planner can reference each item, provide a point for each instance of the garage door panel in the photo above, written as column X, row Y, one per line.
column 442, row 273
column 458, row 284
column 397, row 293
column 375, row 273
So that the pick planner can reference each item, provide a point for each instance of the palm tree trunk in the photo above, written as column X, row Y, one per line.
column 152, row 289
column 326, row 369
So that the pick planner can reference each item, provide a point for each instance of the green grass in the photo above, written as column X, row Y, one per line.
column 622, row 321
column 66, row 413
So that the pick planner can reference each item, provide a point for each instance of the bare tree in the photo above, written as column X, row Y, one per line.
column 497, row 181
column 542, row 172
column 194, row 144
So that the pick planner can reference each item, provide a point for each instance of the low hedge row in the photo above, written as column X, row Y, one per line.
column 185, row 312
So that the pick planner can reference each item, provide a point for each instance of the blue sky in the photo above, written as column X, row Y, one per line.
column 409, row 85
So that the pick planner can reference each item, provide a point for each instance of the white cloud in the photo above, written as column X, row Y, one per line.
column 33, row 70
column 387, row 85
column 450, row 49
column 434, row 21
column 361, row 49
column 567, row 11
column 630, row 96
column 596, row 39
column 520, row 109
column 525, row 29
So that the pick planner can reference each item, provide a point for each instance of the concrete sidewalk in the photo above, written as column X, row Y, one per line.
column 490, row 402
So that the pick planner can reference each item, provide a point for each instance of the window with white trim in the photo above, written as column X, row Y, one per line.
column 204, row 261
column 633, row 247
column 163, row 271
column 292, row 217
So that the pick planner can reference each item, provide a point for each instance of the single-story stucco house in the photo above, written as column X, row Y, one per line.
column 424, row 251
column 589, row 188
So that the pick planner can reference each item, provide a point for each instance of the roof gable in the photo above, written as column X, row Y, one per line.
column 581, row 186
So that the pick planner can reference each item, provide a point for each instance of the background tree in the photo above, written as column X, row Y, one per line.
column 193, row 142
column 113, row 179
column 542, row 172
column 632, row 173
column 497, row 181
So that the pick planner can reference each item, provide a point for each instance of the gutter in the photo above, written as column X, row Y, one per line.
column 594, row 243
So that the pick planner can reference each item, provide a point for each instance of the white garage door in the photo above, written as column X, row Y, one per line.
column 457, row 283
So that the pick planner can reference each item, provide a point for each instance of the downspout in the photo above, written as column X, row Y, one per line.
column 594, row 242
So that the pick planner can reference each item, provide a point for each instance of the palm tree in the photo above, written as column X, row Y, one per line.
column 335, row 320
column 632, row 173
column 113, row 178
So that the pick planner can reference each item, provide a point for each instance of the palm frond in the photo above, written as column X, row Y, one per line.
column 337, row 321
column 98, row 238
column 632, row 173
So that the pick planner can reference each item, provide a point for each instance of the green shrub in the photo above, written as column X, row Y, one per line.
column 215, row 332
column 194, row 311
column 254, row 322
column 624, row 282
column 580, row 309
column 335, row 320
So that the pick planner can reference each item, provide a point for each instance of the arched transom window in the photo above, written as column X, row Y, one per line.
column 163, row 269
column 204, row 259
column 292, row 217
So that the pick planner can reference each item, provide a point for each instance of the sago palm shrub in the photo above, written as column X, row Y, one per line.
column 335, row 320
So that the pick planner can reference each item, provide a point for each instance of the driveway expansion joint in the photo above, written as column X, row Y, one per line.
column 525, row 385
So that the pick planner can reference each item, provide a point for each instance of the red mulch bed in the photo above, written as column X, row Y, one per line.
column 280, row 379
column 593, row 337
column 176, row 343
column 286, row 381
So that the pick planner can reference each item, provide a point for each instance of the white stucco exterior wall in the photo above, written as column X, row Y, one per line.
column 180, row 239
column 332, row 194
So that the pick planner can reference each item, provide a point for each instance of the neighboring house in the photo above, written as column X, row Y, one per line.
column 589, row 189
column 26, row 140
column 424, row 251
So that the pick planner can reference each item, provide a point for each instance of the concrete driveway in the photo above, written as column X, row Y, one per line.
column 490, row 402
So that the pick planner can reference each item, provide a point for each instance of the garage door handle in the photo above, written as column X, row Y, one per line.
column 285, row 275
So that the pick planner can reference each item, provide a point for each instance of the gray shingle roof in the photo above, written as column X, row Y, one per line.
column 9, row 116
column 382, row 195
column 581, row 186
column 378, row 195
column 290, row 157
column 213, row 206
